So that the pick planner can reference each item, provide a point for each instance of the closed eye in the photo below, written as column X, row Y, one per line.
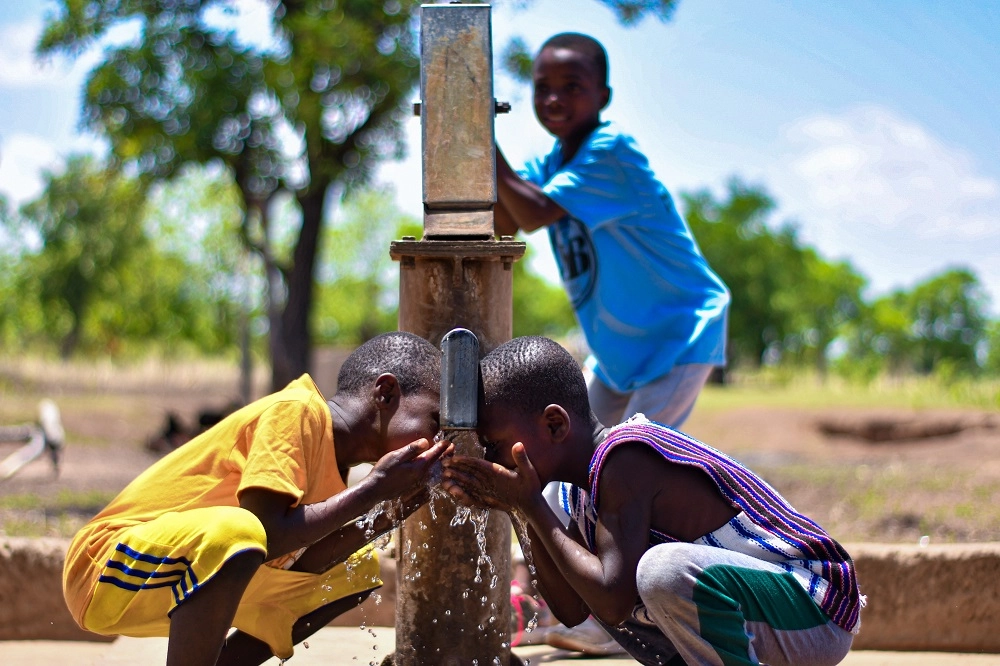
column 489, row 445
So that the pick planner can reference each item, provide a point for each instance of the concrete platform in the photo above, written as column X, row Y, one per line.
column 351, row 645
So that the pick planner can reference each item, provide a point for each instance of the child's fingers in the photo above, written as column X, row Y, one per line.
column 436, row 451
column 521, row 457
column 458, row 492
column 411, row 450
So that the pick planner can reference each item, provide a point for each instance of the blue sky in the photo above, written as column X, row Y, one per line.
column 872, row 124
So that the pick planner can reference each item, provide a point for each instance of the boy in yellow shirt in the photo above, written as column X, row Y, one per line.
column 251, row 524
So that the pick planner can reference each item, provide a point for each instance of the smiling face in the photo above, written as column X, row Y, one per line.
column 569, row 95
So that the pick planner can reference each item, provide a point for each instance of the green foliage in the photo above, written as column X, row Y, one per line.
column 89, row 220
column 358, row 294
column 516, row 58
column 787, row 302
column 791, row 305
column 358, row 291
column 992, row 351
column 540, row 308
column 939, row 326
column 117, row 272
column 336, row 88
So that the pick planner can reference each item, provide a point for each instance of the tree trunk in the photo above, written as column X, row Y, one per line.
column 291, row 343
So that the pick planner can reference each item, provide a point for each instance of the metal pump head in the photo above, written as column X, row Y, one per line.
column 459, row 380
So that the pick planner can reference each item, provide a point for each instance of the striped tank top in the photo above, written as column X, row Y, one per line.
column 767, row 526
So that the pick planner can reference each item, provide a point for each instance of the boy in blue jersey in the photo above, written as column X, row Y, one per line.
column 651, row 309
column 682, row 554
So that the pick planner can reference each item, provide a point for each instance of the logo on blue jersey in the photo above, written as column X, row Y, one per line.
column 575, row 256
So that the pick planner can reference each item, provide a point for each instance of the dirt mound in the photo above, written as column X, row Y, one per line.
column 897, row 429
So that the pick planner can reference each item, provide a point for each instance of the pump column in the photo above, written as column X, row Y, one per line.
column 458, row 275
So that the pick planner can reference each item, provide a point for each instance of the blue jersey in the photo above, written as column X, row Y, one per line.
column 644, row 295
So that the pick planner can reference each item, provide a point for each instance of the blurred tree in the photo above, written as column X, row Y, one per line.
column 788, row 302
column 358, row 292
column 115, row 271
column 940, row 325
column 336, row 86
column 540, row 307
column 949, row 321
column 206, row 290
column 89, row 220
column 820, row 305
column 516, row 57
column 992, row 361
column 751, row 259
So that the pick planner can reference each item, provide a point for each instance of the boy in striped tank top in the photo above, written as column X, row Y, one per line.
column 680, row 552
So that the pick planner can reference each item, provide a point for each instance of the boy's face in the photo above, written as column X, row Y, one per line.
column 500, row 428
column 417, row 417
column 568, row 95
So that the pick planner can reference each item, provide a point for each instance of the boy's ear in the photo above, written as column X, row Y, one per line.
column 557, row 422
column 607, row 98
column 386, row 391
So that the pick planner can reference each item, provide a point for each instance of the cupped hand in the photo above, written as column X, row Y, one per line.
column 474, row 481
column 404, row 472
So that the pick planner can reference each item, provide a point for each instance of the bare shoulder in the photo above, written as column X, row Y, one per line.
column 634, row 468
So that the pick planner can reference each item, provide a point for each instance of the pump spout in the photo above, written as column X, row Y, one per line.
column 459, row 380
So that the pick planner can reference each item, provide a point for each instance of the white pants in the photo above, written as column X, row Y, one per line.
column 669, row 400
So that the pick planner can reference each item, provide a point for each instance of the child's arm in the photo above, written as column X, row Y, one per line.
column 521, row 204
column 398, row 473
column 565, row 604
column 605, row 582
column 337, row 546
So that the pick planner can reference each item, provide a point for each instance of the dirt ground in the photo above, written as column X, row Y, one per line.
column 945, row 488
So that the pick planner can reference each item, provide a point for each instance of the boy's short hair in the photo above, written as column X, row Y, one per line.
column 414, row 361
column 586, row 45
column 532, row 372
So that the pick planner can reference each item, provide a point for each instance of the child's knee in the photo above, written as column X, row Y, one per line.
column 233, row 525
column 666, row 570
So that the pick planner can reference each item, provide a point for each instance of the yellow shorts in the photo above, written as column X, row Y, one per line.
column 155, row 566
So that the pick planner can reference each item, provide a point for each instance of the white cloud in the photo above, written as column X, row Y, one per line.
column 21, row 68
column 251, row 21
column 882, row 190
column 871, row 165
column 25, row 157
column 18, row 63
column 22, row 160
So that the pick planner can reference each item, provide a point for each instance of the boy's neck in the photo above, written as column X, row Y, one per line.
column 345, row 431
column 579, row 472
column 600, row 434
column 571, row 145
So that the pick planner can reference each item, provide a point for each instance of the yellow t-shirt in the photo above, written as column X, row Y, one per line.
column 282, row 442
